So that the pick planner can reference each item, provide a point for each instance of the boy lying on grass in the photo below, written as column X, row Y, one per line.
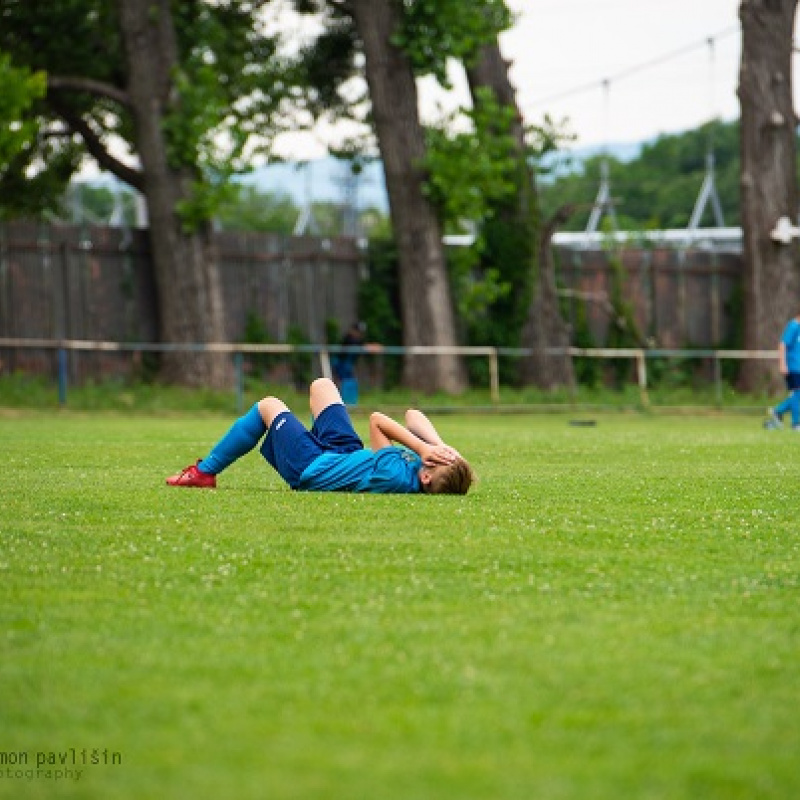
column 331, row 457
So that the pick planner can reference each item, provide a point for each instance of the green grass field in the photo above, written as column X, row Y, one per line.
column 614, row 612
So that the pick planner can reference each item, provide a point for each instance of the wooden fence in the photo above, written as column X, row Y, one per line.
column 96, row 284
column 679, row 298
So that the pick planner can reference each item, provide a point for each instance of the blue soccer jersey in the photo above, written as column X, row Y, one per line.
column 390, row 470
column 791, row 338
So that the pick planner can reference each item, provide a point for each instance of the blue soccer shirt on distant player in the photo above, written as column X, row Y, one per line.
column 390, row 470
column 791, row 338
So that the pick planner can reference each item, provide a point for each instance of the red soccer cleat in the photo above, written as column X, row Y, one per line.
column 191, row 477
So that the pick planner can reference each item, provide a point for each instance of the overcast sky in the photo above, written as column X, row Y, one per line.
column 620, row 71
column 663, row 76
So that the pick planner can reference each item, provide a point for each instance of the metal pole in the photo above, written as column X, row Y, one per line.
column 717, row 380
column 641, row 369
column 325, row 363
column 62, row 376
column 494, row 373
column 239, row 371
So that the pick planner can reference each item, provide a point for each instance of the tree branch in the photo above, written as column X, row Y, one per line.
column 97, row 148
column 78, row 84
column 559, row 218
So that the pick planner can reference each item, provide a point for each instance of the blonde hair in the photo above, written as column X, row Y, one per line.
column 455, row 478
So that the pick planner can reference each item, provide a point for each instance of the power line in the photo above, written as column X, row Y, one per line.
column 636, row 69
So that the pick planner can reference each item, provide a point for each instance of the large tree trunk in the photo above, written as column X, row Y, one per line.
column 425, row 296
column 768, row 180
column 187, row 280
column 490, row 70
column 535, row 301
column 545, row 328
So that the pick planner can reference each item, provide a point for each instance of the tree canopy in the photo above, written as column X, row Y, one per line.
column 230, row 86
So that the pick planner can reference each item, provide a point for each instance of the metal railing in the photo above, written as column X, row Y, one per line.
column 639, row 356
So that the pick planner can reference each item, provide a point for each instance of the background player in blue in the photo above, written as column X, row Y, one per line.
column 789, row 358
column 331, row 456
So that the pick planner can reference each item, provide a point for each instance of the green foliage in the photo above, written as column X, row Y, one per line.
column 434, row 31
column 480, row 176
column 299, row 363
column 31, row 194
column 73, row 38
column 255, row 332
column 505, row 262
column 248, row 209
column 194, row 134
column 21, row 91
column 623, row 330
column 675, row 372
column 509, row 247
column 226, row 91
column 333, row 331
column 328, row 218
column 734, row 311
column 468, row 175
column 227, row 43
column 588, row 371
column 141, row 392
column 19, row 88
column 379, row 301
column 475, row 295
column 70, row 37
column 468, row 172
column 146, row 369
column 97, row 203
column 379, row 296
column 262, row 364
column 255, row 329
column 328, row 63
column 493, row 300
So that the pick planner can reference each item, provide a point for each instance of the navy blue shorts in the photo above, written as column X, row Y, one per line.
column 793, row 381
column 290, row 447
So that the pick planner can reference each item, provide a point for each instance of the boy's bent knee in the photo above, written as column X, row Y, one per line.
column 323, row 393
column 269, row 408
column 322, row 385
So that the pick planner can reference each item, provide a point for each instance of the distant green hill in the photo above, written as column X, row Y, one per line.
column 658, row 188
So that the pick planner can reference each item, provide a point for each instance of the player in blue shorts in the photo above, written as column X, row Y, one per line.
column 789, row 365
column 331, row 457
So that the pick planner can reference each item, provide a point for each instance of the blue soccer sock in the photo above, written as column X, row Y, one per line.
column 242, row 437
column 794, row 407
column 784, row 406
column 787, row 405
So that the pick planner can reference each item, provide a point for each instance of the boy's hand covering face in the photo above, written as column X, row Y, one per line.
column 439, row 455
